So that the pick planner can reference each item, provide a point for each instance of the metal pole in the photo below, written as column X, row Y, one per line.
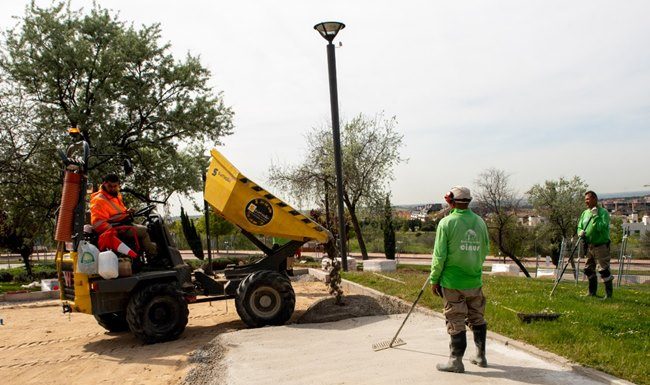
column 334, row 102
column 206, row 213
column 560, row 259
column 577, row 265
column 559, row 278
column 621, row 258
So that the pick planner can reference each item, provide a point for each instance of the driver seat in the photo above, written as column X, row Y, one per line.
column 90, row 235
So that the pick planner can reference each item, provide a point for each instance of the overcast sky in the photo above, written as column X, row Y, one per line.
column 540, row 89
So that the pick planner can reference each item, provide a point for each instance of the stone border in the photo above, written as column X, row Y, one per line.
column 29, row 296
column 355, row 288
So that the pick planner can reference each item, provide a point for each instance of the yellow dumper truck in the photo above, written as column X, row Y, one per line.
column 153, row 302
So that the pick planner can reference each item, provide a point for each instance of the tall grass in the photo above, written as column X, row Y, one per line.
column 419, row 242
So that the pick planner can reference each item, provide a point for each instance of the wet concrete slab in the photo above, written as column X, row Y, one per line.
column 341, row 353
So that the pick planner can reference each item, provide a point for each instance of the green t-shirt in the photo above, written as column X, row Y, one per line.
column 597, row 230
column 462, row 243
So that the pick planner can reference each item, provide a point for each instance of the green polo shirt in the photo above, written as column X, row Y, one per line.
column 462, row 243
column 596, row 229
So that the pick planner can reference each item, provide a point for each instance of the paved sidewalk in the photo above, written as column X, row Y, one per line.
column 341, row 353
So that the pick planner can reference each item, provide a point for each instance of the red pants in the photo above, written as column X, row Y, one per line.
column 110, row 240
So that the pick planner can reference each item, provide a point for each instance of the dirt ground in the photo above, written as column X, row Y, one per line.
column 39, row 344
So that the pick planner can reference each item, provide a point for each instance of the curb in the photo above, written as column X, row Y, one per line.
column 594, row 374
column 29, row 296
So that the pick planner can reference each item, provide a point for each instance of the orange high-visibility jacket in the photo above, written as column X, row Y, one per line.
column 106, row 210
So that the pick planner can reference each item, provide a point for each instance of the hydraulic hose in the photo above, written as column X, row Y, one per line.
column 69, row 200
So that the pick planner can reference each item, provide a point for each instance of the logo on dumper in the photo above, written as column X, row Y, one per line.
column 259, row 212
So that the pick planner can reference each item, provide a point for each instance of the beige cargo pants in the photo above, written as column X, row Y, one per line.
column 463, row 306
column 598, row 256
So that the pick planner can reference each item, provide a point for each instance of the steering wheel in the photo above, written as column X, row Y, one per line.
column 144, row 212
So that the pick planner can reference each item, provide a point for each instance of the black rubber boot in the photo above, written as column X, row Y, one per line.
column 457, row 348
column 609, row 289
column 593, row 286
column 480, row 335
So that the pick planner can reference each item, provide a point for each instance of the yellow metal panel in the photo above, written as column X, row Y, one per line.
column 82, row 302
column 254, row 209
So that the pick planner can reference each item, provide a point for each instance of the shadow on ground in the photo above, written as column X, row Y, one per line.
column 125, row 347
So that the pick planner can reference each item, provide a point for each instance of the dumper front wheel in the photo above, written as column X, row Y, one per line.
column 265, row 298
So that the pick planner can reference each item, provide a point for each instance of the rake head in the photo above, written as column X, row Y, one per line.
column 530, row 317
column 387, row 345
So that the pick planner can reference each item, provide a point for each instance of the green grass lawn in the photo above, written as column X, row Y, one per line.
column 612, row 336
column 11, row 279
column 14, row 286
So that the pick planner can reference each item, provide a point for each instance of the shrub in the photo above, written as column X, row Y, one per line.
column 6, row 276
column 221, row 263
column 21, row 277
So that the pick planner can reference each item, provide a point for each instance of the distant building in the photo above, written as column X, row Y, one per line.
column 421, row 212
column 536, row 220
column 627, row 205
column 639, row 228
column 403, row 214
column 530, row 220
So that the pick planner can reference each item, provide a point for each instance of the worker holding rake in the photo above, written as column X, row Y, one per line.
column 462, row 243
column 593, row 227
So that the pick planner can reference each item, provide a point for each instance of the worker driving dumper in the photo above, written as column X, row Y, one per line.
column 112, row 221
column 151, row 298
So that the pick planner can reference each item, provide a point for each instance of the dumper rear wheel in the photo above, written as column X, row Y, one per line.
column 265, row 298
column 113, row 322
column 157, row 313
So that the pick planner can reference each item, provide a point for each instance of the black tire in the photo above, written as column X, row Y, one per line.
column 113, row 322
column 157, row 313
column 265, row 298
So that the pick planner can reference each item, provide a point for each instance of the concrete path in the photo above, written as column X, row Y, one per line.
column 341, row 353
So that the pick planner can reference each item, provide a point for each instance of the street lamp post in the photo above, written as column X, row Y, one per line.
column 328, row 30
column 206, row 213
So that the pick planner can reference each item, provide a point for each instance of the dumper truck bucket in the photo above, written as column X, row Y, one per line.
column 252, row 208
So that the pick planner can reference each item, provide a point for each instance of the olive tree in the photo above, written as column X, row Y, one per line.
column 121, row 87
column 560, row 202
column 498, row 200
column 370, row 151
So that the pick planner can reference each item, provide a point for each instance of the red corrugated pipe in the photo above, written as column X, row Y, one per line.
column 69, row 200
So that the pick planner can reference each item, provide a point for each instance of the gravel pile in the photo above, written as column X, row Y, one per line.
column 209, row 368
column 304, row 278
column 326, row 310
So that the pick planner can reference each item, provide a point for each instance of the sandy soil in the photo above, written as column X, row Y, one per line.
column 39, row 344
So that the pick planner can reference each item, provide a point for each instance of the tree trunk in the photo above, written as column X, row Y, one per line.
column 328, row 217
column 331, row 250
column 25, row 253
column 518, row 262
column 511, row 255
column 357, row 230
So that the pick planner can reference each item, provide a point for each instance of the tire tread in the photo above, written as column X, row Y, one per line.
column 136, row 311
column 275, row 280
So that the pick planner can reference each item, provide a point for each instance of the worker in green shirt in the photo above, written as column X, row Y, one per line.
column 593, row 227
column 462, row 243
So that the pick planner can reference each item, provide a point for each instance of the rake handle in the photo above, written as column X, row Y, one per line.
column 409, row 313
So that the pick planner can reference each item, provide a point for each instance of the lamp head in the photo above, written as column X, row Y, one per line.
column 329, row 29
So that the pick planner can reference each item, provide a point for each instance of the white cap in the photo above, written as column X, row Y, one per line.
column 460, row 194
